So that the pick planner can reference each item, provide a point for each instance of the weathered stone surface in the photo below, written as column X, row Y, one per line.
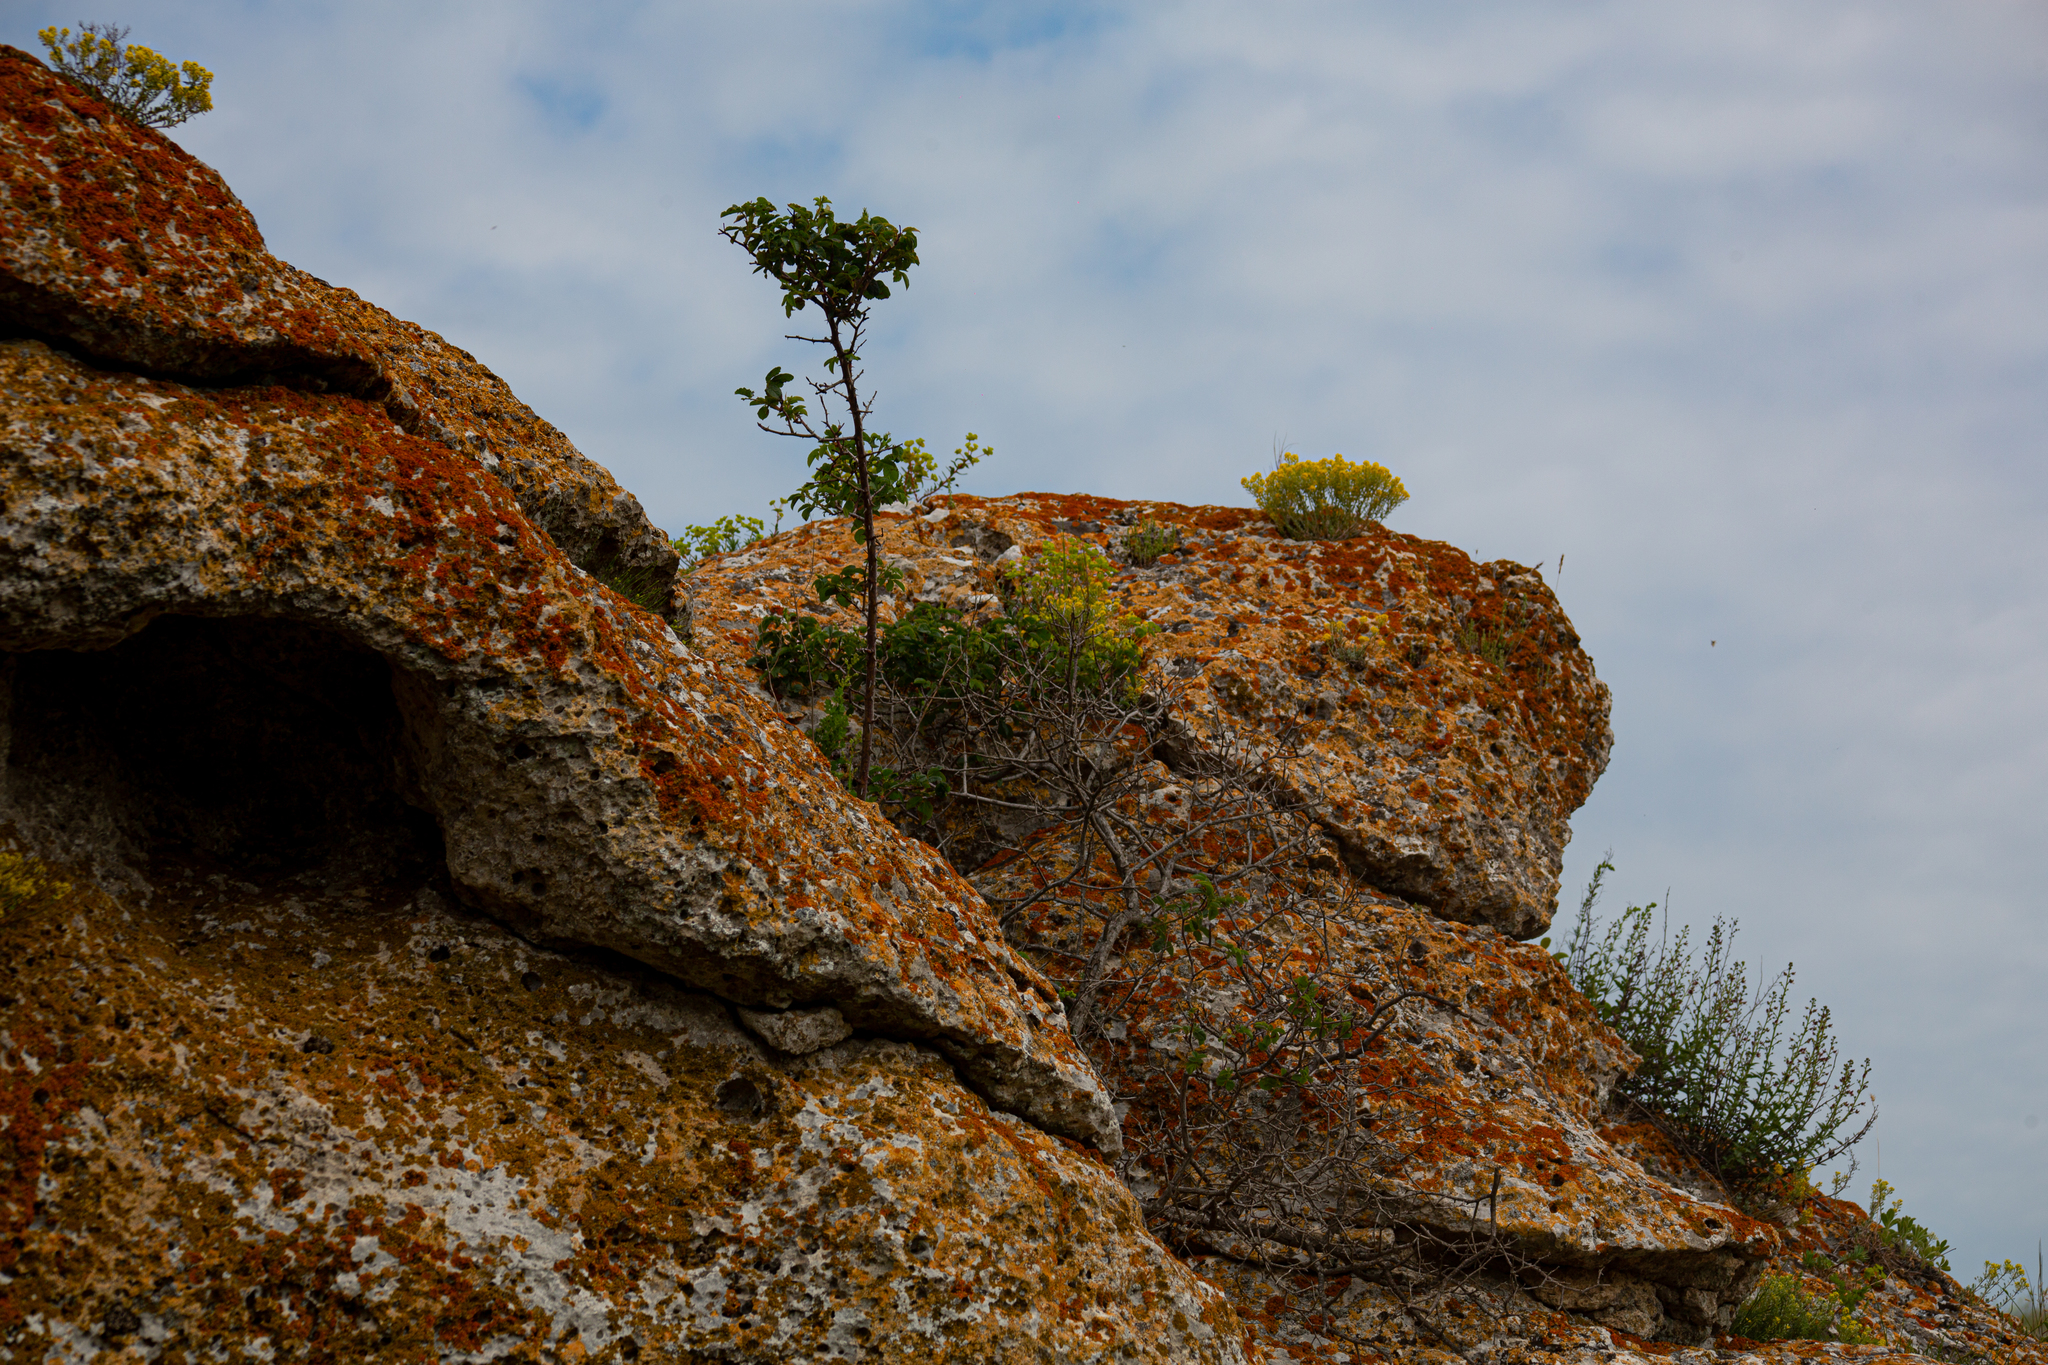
column 1446, row 752
column 592, row 781
column 328, row 1118
column 797, row 1032
column 118, row 246
column 1509, row 1077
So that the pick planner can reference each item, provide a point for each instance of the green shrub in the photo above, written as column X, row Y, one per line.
column 1148, row 540
column 2005, row 1287
column 798, row 655
column 1329, row 499
column 1717, row 1071
column 1902, row 1232
column 699, row 543
column 146, row 86
column 1061, row 602
column 1490, row 645
column 1781, row 1310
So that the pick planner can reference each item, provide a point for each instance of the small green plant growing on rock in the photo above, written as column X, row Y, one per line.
column 1718, row 1073
column 1902, row 1232
column 1148, row 540
column 1062, row 602
column 722, row 537
column 1331, row 499
column 2004, row 1285
column 145, row 85
column 1781, row 1310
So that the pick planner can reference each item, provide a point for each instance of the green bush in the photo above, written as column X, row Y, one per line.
column 1718, row 1072
column 1781, row 1310
column 699, row 543
column 2005, row 1287
column 1902, row 1232
column 146, row 86
column 1331, row 499
column 1148, row 540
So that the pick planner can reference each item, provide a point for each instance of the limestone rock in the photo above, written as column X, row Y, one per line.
column 121, row 248
column 509, row 1154
column 165, row 547
column 1452, row 729
column 797, row 1032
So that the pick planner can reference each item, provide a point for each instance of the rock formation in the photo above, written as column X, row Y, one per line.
column 297, row 650
column 454, row 961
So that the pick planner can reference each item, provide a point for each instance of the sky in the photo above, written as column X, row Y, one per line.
column 1732, row 317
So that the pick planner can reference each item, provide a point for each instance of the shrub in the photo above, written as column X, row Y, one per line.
column 1781, row 1310
column 1902, row 1232
column 144, row 85
column 1329, row 499
column 2005, row 1287
column 1148, row 540
column 699, row 543
column 1062, row 604
column 1712, row 1074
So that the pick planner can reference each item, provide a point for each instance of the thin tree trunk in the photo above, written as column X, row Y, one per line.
column 872, row 594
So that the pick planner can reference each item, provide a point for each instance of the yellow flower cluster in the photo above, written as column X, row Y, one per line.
column 1063, row 595
column 1329, row 499
column 145, row 85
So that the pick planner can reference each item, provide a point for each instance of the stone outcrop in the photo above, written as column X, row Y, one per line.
column 458, row 964
column 1452, row 726
column 417, row 875
column 1450, row 729
column 122, row 250
column 321, row 1121
column 1412, row 734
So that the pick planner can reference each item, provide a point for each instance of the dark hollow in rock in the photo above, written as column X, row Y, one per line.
column 260, row 748
column 741, row 1098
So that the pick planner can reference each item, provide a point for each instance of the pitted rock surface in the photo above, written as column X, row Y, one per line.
column 327, row 1119
column 1446, row 753
column 117, row 245
column 594, row 783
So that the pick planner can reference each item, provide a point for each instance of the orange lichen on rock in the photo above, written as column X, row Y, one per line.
column 314, row 1121
column 1452, row 722
column 121, row 247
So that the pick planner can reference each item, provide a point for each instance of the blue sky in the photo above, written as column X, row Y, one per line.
column 1741, row 309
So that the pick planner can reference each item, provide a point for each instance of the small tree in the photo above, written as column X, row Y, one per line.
column 840, row 268
column 146, row 86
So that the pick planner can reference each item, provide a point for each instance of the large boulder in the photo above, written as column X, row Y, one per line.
column 350, row 1122
column 1451, row 726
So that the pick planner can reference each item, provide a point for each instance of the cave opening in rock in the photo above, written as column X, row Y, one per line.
column 256, row 748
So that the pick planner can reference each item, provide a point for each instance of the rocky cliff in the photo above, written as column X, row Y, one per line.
column 454, row 962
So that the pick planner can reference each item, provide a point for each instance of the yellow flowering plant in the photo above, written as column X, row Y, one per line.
column 1062, row 603
column 145, row 85
column 1329, row 499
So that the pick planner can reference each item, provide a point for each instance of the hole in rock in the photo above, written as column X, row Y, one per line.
column 741, row 1098
column 255, row 748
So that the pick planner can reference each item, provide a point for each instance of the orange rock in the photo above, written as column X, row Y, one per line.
column 122, row 249
column 1451, row 730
